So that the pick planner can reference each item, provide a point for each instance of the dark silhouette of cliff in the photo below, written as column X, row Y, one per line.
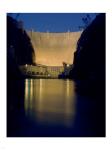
column 89, row 75
column 89, row 59
column 19, row 52
column 18, row 42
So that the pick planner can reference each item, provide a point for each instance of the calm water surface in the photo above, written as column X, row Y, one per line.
column 52, row 108
column 50, row 102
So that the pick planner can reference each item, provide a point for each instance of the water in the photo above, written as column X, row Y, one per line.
column 53, row 108
column 50, row 102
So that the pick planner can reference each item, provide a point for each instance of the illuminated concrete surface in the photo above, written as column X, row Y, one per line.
column 52, row 49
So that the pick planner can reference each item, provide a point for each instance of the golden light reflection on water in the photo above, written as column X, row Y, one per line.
column 50, row 101
column 28, row 94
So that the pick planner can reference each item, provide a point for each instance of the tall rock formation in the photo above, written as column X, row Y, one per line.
column 18, row 42
column 19, row 52
column 89, row 59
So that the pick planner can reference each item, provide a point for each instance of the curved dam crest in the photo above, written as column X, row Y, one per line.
column 52, row 49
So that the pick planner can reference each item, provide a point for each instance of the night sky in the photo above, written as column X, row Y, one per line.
column 52, row 22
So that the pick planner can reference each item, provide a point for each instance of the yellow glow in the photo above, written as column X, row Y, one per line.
column 52, row 49
column 50, row 101
column 40, row 95
column 68, row 87
column 31, row 92
column 26, row 95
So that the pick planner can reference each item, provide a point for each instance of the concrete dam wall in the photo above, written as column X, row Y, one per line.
column 52, row 49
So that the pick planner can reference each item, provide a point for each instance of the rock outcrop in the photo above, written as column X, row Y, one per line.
column 89, row 59
column 19, row 52
column 18, row 43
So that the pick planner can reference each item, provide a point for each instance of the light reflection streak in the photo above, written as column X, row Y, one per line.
column 69, row 103
column 40, row 103
column 68, row 87
column 26, row 95
column 67, row 100
column 50, row 101
column 40, row 89
column 31, row 93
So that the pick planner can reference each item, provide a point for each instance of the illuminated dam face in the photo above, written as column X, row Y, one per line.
column 52, row 49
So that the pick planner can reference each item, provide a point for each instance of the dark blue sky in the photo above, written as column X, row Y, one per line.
column 52, row 22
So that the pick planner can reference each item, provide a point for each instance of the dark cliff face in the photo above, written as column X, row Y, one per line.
column 19, row 48
column 89, row 70
column 89, row 59
column 19, row 52
column 19, row 42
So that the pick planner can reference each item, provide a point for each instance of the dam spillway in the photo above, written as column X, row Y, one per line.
column 52, row 49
